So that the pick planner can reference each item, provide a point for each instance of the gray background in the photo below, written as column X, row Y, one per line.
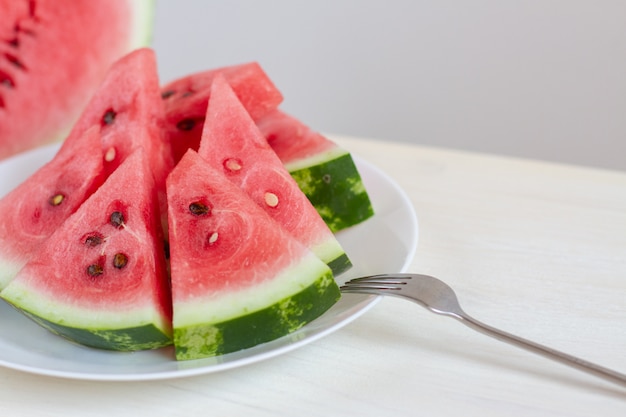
column 539, row 79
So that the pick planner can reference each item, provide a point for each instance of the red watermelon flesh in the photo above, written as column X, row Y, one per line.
column 186, row 101
column 291, row 139
column 238, row 278
column 52, row 58
column 34, row 209
column 212, row 249
column 232, row 143
column 100, row 279
column 129, row 112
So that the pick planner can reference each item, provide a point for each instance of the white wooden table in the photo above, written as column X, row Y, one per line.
column 534, row 248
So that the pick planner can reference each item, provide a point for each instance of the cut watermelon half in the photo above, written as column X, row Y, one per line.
column 238, row 278
column 34, row 209
column 100, row 279
column 324, row 171
column 52, row 58
column 186, row 101
column 232, row 143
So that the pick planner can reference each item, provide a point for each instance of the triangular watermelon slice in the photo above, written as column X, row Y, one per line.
column 232, row 143
column 238, row 278
column 129, row 111
column 186, row 101
column 100, row 279
column 34, row 209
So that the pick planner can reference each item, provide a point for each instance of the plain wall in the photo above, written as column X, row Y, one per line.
column 539, row 79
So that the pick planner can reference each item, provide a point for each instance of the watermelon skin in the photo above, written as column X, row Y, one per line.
column 72, row 285
column 261, row 326
column 235, row 272
column 27, row 217
column 324, row 171
column 45, row 86
column 230, row 134
column 186, row 101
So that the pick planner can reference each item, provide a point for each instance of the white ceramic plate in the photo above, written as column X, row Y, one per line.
column 383, row 243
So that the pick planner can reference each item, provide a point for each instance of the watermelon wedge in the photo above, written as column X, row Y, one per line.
column 186, row 101
column 34, row 209
column 129, row 112
column 52, row 58
column 324, row 171
column 232, row 143
column 238, row 278
column 100, row 279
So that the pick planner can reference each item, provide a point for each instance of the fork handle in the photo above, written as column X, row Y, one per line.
column 564, row 358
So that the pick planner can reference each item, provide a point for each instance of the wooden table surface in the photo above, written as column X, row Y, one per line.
column 534, row 248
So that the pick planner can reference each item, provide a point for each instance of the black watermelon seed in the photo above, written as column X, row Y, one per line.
column 109, row 117
column 16, row 62
column 117, row 219
column 6, row 80
column 93, row 239
column 95, row 270
column 120, row 260
column 166, row 249
column 167, row 94
column 186, row 124
column 199, row 209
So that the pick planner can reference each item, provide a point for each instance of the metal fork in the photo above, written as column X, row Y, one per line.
column 439, row 298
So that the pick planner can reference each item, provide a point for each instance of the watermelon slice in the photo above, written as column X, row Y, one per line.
column 128, row 110
column 238, row 278
column 186, row 101
column 34, row 209
column 52, row 58
column 100, row 279
column 232, row 143
column 325, row 172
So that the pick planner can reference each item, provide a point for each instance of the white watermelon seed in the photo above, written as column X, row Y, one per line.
column 110, row 154
column 56, row 199
column 213, row 238
column 271, row 199
column 232, row 164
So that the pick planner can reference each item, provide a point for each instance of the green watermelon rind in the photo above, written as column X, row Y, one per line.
column 283, row 306
column 332, row 183
column 128, row 330
column 130, row 339
column 332, row 254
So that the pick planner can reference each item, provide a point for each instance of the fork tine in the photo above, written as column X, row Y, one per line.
column 399, row 278
column 376, row 282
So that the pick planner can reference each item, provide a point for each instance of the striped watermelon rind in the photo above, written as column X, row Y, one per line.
column 334, row 186
column 283, row 307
